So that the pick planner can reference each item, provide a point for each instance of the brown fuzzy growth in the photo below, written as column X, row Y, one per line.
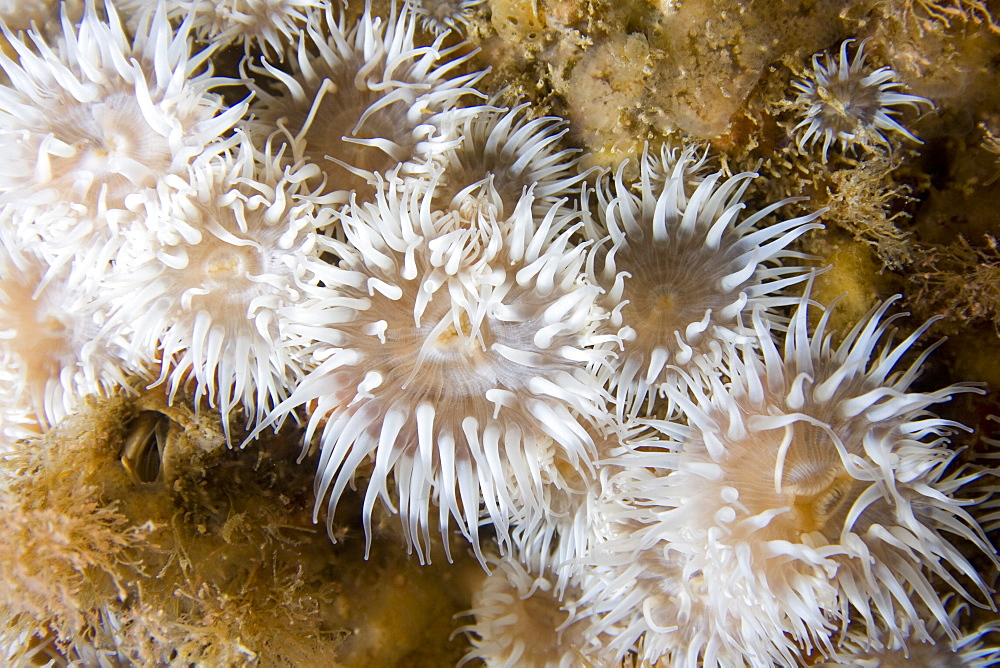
column 862, row 200
column 208, row 557
column 960, row 281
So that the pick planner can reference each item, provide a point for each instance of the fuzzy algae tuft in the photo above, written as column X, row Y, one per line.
column 213, row 561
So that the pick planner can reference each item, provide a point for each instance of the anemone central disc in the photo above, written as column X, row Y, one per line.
column 223, row 265
column 53, row 327
column 813, row 511
column 454, row 337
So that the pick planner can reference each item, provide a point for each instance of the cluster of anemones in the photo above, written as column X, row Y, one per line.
column 484, row 332
column 93, row 123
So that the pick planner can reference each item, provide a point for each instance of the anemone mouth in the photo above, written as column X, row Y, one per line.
column 227, row 268
column 848, row 104
column 223, row 265
column 441, row 361
column 454, row 358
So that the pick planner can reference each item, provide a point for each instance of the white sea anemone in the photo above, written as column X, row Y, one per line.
column 681, row 269
column 557, row 534
column 840, row 102
column 943, row 648
column 811, row 485
column 449, row 354
column 657, row 167
column 100, row 117
column 272, row 23
column 557, row 530
column 440, row 16
column 369, row 101
column 511, row 151
column 520, row 621
column 199, row 287
column 51, row 350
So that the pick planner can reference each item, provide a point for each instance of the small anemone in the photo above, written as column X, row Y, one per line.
column 940, row 647
column 52, row 349
column 520, row 620
column 840, row 102
column 370, row 100
column 680, row 268
column 450, row 354
column 271, row 23
column 440, row 16
column 556, row 534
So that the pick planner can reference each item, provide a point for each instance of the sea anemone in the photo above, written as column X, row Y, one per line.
column 944, row 648
column 271, row 23
column 802, row 487
column 512, row 151
column 52, row 351
column 17, row 416
column 840, row 102
column 520, row 620
column 449, row 354
column 100, row 118
column 557, row 530
column 369, row 101
column 440, row 16
column 557, row 534
column 200, row 286
column 681, row 269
